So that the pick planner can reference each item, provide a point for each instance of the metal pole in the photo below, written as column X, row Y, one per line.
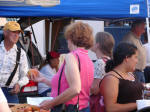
column 147, row 22
column 147, row 26
column 50, row 36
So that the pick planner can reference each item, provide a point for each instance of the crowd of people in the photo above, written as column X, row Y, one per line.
column 111, row 84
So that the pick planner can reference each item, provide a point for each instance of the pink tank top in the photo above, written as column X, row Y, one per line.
column 86, row 75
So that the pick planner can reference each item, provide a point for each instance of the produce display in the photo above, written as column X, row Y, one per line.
column 26, row 108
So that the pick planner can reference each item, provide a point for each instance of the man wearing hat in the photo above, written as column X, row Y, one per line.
column 13, row 63
column 134, row 36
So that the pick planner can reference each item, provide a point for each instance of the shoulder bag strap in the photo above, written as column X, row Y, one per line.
column 61, row 76
column 79, row 71
column 15, row 69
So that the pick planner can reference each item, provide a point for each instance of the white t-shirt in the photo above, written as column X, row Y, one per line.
column 2, row 97
column 47, row 72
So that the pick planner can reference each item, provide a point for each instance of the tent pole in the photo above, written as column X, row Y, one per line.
column 147, row 26
column 147, row 22
column 50, row 36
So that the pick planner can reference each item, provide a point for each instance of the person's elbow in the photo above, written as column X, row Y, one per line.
column 109, row 108
column 76, row 90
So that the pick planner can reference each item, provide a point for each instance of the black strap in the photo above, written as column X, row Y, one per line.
column 78, row 62
column 111, row 75
column 80, row 71
column 106, row 76
column 15, row 69
column 61, row 76
column 117, row 73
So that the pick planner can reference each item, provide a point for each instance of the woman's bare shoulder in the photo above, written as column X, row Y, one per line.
column 70, row 57
column 110, row 77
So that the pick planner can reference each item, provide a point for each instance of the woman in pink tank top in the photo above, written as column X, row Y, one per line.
column 76, row 72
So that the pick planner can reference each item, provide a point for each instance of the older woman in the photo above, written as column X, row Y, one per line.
column 119, row 88
column 71, row 85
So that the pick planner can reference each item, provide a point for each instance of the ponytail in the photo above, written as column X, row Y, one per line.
column 109, row 66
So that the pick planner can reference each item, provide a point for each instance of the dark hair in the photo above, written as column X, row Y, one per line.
column 106, row 42
column 49, row 56
column 122, row 51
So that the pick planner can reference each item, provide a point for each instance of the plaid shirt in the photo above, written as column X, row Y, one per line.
column 7, row 65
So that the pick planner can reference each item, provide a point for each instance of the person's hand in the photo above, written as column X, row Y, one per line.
column 38, row 78
column 16, row 89
column 35, row 75
column 46, row 105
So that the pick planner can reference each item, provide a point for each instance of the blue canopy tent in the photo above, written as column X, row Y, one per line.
column 105, row 9
column 88, row 9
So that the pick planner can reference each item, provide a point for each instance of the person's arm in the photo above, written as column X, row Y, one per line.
column 4, row 107
column 23, row 69
column 109, row 90
column 3, row 103
column 38, row 77
column 47, row 72
column 73, row 78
